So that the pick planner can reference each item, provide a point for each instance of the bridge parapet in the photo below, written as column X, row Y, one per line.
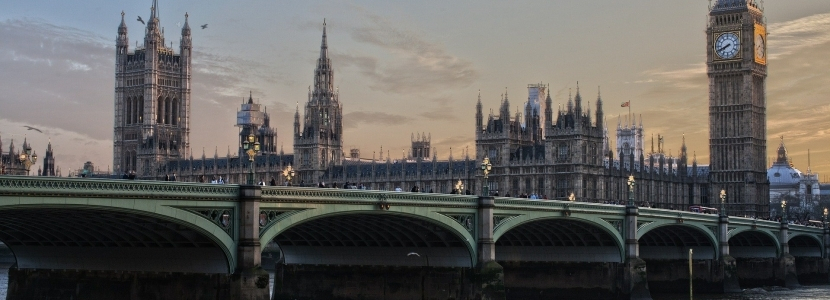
column 287, row 194
column 96, row 188
column 558, row 205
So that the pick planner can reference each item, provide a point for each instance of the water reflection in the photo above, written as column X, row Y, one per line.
column 769, row 293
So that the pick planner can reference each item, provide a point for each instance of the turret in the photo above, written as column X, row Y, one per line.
column 153, row 38
column 297, row 122
column 505, row 107
column 548, row 112
column 578, row 101
column 479, row 116
column 599, row 112
column 570, row 103
column 782, row 153
column 122, row 42
column 48, row 162
column 186, row 41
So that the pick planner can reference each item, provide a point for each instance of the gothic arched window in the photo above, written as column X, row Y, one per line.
column 167, row 116
column 128, row 111
column 140, row 109
column 175, row 112
column 160, row 111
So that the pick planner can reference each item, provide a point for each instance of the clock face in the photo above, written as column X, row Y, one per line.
column 727, row 45
column 760, row 47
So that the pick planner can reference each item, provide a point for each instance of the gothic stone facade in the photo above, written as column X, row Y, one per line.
column 736, row 65
column 546, row 154
column 152, row 99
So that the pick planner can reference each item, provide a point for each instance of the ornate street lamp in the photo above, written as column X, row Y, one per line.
column 288, row 173
column 485, row 169
column 251, row 147
column 783, row 211
column 824, row 218
column 27, row 158
column 572, row 197
column 459, row 186
column 631, row 184
column 722, row 202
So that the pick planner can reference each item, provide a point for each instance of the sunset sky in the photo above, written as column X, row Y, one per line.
column 406, row 66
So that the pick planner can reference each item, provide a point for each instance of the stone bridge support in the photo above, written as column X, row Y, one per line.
column 490, row 274
column 727, row 264
column 786, row 269
column 249, row 280
column 635, row 279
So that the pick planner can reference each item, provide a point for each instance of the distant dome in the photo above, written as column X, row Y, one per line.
column 781, row 174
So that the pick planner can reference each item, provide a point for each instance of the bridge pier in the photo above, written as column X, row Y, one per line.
column 786, row 269
column 489, row 274
column 249, row 281
column 635, row 279
column 727, row 265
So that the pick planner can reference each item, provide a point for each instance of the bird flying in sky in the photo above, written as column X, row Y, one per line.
column 204, row 26
column 140, row 20
column 32, row 128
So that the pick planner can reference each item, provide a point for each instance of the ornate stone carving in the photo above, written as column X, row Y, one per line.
column 221, row 216
column 498, row 220
column 269, row 217
column 466, row 220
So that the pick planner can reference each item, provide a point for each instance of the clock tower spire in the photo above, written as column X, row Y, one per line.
column 736, row 66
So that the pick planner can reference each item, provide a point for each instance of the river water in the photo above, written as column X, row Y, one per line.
column 768, row 293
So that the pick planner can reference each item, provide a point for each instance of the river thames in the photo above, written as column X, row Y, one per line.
column 768, row 293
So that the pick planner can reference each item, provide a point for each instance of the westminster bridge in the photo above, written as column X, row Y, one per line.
column 77, row 235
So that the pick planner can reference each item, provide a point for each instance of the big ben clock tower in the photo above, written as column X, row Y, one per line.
column 736, row 64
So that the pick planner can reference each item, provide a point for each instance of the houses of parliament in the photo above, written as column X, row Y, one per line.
column 540, row 151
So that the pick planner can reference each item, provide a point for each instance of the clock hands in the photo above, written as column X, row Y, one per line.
column 724, row 47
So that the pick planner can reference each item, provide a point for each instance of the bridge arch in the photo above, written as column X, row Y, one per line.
column 584, row 238
column 805, row 245
column 671, row 240
column 114, row 234
column 370, row 236
column 753, row 243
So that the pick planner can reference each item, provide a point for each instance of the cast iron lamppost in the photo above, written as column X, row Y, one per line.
column 485, row 168
column 722, row 202
column 27, row 158
column 783, row 211
column 289, row 173
column 251, row 147
column 631, row 190
column 459, row 186
column 824, row 218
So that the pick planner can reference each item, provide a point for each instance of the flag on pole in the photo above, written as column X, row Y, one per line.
column 625, row 104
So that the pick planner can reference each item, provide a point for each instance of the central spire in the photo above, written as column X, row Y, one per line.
column 154, row 9
column 323, row 75
column 324, row 47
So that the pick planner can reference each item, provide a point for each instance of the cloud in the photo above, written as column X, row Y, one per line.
column 456, row 144
column 417, row 65
column 439, row 109
column 355, row 119
column 47, row 73
column 789, row 37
